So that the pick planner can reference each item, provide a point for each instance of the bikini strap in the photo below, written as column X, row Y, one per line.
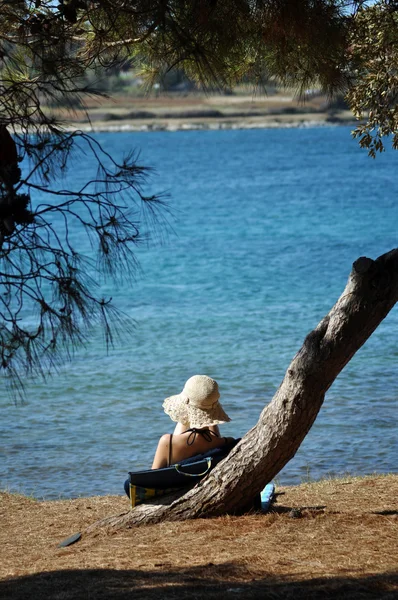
column 170, row 450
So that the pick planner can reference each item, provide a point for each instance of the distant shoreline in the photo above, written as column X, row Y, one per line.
column 196, row 112
column 173, row 125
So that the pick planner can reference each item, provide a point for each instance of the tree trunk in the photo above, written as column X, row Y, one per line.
column 371, row 292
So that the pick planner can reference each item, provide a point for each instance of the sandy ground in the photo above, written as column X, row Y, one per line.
column 343, row 542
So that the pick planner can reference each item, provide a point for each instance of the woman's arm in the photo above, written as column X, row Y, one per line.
column 162, row 452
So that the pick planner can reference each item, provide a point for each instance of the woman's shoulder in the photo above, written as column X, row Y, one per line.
column 181, row 439
column 165, row 438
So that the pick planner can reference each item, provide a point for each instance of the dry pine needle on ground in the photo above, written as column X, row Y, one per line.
column 327, row 539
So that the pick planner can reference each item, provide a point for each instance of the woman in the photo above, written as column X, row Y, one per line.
column 198, row 413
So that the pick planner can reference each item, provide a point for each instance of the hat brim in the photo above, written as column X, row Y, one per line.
column 181, row 411
column 176, row 408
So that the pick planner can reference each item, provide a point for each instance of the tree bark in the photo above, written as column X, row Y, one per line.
column 371, row 292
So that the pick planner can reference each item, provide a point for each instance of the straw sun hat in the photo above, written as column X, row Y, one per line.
column 197, row 405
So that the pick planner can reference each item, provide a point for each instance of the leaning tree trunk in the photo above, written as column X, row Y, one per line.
column 371, row 292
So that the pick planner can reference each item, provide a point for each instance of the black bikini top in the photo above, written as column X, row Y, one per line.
column 205, row 433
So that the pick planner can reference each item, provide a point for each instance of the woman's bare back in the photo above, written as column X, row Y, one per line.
column 174, row 448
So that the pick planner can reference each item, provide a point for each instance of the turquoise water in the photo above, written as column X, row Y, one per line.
column 267, row 224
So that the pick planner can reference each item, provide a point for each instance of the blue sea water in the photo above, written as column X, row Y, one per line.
column 267, row 224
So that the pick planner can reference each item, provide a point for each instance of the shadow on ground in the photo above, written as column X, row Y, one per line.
column 210, row 582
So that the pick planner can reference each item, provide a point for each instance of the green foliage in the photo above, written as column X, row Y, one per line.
column 48, row 51
column 373, row 93
column 48, row 302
